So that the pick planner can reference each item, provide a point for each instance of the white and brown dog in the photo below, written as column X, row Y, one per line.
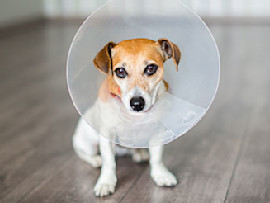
column 134, row 71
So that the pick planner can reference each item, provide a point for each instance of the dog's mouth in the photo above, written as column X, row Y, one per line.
column 141, row 112
column 137, row 113
column 150, row 108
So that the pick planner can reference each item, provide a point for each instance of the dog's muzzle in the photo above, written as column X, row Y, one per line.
column 137, row 103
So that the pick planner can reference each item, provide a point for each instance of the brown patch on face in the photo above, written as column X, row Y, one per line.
column 136, row 54
column 113, row 87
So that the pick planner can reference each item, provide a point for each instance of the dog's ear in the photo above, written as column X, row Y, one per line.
column 103, row 60
column 170, row 50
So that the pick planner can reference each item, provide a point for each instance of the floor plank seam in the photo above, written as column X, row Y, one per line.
column 241, row 147
column 234, row 167
column 137, row 179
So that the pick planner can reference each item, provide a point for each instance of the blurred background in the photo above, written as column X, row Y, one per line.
column 13, row 12
column 225, row 158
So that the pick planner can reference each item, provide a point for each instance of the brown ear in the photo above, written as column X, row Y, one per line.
column 170, row 50
column 103, row 60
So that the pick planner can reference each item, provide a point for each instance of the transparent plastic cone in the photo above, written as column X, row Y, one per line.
column 191, row 89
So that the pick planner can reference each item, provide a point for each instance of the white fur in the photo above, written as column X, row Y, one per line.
column 105, row 116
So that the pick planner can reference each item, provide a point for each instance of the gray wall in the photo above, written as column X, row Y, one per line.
column 71, row 8
column 16, row 11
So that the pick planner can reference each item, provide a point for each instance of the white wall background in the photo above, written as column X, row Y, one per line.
column 231, row 7
column 65, row 8
column 15, row 11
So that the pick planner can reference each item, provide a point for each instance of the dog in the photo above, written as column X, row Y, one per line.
column 134, row 78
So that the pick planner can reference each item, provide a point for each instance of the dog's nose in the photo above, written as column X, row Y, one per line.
column 137, row 103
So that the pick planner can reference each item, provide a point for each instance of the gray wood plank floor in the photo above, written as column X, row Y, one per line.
column 225, row 158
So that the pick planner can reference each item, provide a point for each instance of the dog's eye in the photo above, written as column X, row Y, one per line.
column 151, row 69
column 120, row 72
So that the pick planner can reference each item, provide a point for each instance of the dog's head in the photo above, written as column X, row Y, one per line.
column 135, row 69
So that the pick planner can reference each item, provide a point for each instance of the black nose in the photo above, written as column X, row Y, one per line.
column 137, row 103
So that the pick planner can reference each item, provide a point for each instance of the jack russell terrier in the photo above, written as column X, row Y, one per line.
column 134, row 70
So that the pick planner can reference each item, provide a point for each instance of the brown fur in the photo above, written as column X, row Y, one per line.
column 108, row 89
column 134, row 51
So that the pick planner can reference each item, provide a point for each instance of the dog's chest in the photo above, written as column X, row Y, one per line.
column 110, row 112
column 105, row 116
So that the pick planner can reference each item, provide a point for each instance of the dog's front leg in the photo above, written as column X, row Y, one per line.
column 159, row 172
column 107, row 180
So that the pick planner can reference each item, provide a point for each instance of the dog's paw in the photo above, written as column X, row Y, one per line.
column 140, row 156
column 163, row 177
column 105, row 187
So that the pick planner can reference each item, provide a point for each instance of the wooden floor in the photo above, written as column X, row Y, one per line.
column 225, row 158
